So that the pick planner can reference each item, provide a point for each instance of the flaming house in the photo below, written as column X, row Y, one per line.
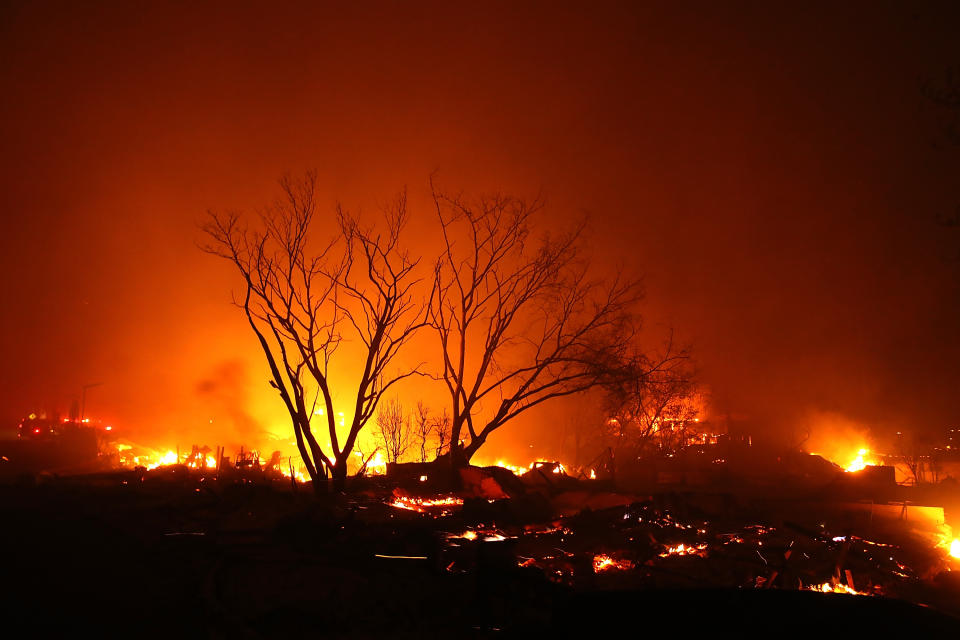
column 430, row 319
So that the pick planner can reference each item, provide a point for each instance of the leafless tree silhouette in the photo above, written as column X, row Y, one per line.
column 393, row 429
column 300, row 299
column 519, row 321
column 422, row 428
column 440, row 428
column 651, row 401
column 916, row 453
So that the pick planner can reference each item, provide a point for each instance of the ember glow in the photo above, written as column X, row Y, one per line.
column 426, row 505
column 517, row 470
column 131, row 456
column 685, row 550
column 603, row 562
column 548, row 466
column 829, row 587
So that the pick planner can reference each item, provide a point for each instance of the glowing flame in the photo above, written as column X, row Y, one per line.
column 130, row 456
column 376, row 466
column 948, row 542
column 170, row 457
column 603, row 562
column 860, row 462
column 519, row 471
column 829, row 587
column 555, row 467
column 686, row 550
column 421, row 505
column 300, row 475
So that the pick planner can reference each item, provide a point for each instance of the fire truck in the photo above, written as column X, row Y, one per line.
column 56, row 444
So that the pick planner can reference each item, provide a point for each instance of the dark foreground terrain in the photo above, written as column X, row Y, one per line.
column 113, row 555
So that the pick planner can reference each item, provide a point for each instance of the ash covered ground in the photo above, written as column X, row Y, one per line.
column 176, row 552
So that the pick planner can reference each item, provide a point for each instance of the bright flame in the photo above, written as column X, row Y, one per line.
column 300, row 475
column 421, row 505
column 170, row 457
column 860, row 462
column 377, row 466
column 686, row 550
column 519, row 471
column 949, row 543
column 603, row 562
column 828, row 587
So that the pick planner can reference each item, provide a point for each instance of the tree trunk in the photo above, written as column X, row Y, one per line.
column 469, row 450
column 339, row 474
column 458, row 458
column 319, row 480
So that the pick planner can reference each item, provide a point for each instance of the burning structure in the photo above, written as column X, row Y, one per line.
column 695, row 508
column 522, row 548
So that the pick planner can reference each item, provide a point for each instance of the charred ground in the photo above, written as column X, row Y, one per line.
column 174, row 551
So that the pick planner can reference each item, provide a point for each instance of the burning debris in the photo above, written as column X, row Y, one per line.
column 657, row 543
column 541, row 466
column 603, row 562
column 830, row 587
column 686, row 550
column 483, row 535
column 644, row 544
column 437, row 506
column 573, row 531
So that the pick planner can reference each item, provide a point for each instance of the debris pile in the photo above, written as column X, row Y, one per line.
column 671, row 542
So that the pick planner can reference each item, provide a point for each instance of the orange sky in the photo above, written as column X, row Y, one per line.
column 776, row 174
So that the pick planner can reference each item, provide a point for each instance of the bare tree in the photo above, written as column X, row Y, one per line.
column 914, row 452
column 301, row 298
column 365, row 458
column 440, row 427
column 519, row 321
column 393, row 430
column 423, row 428
column 651, row 402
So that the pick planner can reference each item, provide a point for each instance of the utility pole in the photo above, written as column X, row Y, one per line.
column 83, row 398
